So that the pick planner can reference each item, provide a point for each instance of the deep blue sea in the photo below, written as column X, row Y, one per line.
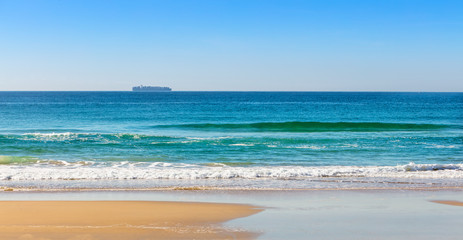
column 230, row 139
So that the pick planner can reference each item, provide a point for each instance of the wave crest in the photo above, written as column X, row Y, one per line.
column 160, row 170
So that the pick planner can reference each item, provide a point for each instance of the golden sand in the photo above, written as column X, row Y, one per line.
column 117, row 220
column 453, row 203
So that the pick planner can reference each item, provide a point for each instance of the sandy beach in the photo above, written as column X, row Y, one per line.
column 216, row 214
column 451, row 203
column 117, row 220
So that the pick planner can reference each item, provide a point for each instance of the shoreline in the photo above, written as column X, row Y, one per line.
column 328, row 214
column 7, row 189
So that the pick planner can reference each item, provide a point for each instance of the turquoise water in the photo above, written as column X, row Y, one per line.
column 209, row 136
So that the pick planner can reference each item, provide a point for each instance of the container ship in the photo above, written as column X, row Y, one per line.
column 151, row 89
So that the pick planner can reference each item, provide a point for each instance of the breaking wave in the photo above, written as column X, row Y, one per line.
column 80, row 137
column 160, row 170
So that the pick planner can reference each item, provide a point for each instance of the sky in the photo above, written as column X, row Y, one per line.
column 231, row 45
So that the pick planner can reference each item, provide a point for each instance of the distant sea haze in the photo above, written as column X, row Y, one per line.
column 284, row 140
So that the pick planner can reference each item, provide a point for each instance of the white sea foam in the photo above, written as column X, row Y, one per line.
column 62, row 136
column 350, row 146
column 161, row 170
column 441, row 146
column 212, row 138
column 51, row 136
column 307, row 147
column 242, row 144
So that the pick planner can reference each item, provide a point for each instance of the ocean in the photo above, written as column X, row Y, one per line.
column 230, row 140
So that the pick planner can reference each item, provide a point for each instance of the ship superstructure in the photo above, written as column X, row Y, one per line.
column 142, row 88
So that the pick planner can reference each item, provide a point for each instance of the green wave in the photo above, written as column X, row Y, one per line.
column 309, row 127
column 17, row 159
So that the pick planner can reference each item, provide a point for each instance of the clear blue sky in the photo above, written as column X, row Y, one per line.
column 264, row 45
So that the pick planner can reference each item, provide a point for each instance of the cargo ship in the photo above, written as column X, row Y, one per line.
column 151, row 89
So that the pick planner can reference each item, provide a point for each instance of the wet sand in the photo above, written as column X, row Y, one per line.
column 453, row 203
column 117, row 220
column 296, row 215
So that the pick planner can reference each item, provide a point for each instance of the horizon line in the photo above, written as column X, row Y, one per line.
column 365, row 91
